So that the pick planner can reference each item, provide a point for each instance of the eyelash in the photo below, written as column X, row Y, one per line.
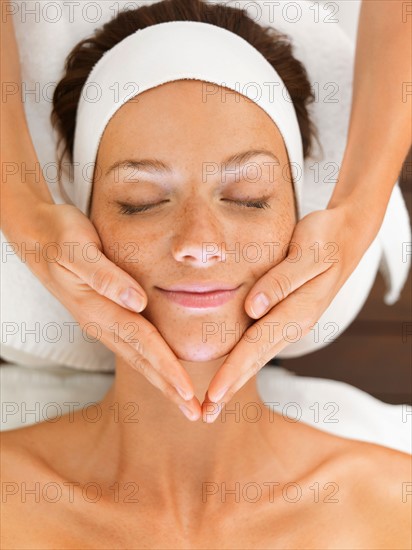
column 130, row 209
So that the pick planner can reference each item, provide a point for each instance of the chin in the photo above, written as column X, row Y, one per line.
column 200, row 352
column 202, row 336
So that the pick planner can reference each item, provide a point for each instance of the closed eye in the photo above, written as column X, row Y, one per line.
column 251, row 203
column 129, row 209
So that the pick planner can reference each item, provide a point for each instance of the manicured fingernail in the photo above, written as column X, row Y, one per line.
column 132, row 299
column 184, row 394
column 210, row 416
column 260, row 304
column 220, row 394
column 187, row 412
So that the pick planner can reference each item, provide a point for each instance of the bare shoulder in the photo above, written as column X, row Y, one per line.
column 390, row 475
column 43, row 444
column 21, row 469
column 32, row 449
column 18, row 448
column 14, row 443
column 372, row 486
column 387, row 471
column 379, row 482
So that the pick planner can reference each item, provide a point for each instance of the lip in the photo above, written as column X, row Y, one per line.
column 210, row 286
column 200, row 295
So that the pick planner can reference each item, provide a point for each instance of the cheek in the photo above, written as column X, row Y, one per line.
column 136, row 251
column 269, row 245
column 116, row 241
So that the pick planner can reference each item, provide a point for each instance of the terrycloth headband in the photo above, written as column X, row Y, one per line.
column 172, row 51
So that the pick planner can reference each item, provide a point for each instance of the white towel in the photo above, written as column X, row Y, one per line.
column 31, row 395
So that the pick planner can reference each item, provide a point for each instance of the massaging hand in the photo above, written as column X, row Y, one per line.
column 297, row 292
column 99, row 291
column 91, row 291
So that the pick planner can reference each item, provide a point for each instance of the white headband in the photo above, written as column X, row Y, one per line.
column 172, row 51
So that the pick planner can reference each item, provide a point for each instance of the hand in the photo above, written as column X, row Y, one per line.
column 100, row 290
column 89, row 290
column 326, row 246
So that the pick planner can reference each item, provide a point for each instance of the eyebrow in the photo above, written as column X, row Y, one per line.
column 157, row 166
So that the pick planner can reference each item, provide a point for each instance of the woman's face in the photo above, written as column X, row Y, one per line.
column 205, row 225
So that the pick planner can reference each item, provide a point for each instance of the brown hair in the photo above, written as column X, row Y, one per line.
column 273, row 45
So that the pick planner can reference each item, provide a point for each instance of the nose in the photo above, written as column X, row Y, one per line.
column 198, row 236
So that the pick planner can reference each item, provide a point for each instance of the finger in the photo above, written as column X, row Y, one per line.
column 108, row 280
column 212, row 406
column 142, row 365
column 280, row 281
column 302, row 308
column 211, row 409
column 145, row 342
column 151, row 345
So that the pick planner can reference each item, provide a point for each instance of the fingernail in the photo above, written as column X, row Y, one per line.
column 187, row 412
column 220, row 394
column 132, row 299
column 210, row 416
column 184, row 394
column 260, row 304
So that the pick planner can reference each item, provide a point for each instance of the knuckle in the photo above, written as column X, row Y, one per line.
column 265, row 354
column 170, row 392
column 257, row 365
column 261, row 359
column 138, row 346
column 141, row 365
column 102, row 280
column 280, row 286
column 150, row 331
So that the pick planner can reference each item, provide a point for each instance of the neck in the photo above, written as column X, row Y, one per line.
column 172, row 458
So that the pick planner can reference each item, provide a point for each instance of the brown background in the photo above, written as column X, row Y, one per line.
column 371, row 354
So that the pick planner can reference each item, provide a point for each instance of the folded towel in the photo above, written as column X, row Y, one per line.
column 31, row 395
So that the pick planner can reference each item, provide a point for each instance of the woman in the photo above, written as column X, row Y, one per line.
column 132, row 471
column 383, row 45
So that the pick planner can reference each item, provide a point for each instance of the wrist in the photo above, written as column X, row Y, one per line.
column 359, row 216
column 24, row 219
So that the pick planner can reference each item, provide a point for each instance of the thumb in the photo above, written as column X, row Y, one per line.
column 280, row 281
column 109, row 280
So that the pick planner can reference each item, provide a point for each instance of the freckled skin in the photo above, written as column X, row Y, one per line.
column 172, row 123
